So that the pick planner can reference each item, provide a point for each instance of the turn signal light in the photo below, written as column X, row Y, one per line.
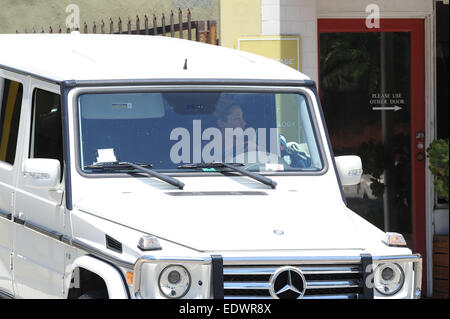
column 129, row 278
column 395, row 240
column 149, row 243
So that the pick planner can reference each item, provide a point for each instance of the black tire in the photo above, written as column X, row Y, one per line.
column 94, row 295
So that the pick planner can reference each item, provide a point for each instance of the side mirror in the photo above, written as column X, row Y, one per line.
column 42, row 173
column 349, row 168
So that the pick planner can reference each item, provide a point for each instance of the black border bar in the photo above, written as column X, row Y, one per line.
column 217, row 276
column 367, row 269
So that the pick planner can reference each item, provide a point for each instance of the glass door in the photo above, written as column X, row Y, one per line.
column 372, row 92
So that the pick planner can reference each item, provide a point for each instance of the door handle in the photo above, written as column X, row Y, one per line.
column 20, row 219
column 420, row 156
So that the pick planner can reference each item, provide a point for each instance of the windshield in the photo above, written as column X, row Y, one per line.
column 263, row 131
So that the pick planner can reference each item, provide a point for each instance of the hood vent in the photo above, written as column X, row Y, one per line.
column 113, row 244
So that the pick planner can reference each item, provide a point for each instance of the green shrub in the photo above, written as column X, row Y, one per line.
column 438, row 165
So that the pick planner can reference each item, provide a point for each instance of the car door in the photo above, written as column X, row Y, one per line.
column 39, row 213
column 11, row 98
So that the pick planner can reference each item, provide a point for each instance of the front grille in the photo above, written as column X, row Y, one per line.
column 323, row 281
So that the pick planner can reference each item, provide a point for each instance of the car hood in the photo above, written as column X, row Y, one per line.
column 238, row 220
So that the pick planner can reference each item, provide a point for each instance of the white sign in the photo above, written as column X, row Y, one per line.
column 387, row 101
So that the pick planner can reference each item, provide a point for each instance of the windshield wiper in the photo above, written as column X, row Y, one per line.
column 141, row 167
column 235, row 167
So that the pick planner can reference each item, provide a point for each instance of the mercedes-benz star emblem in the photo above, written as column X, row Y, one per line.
column 287, row 283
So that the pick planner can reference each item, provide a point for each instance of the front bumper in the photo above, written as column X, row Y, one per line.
column 325, row 277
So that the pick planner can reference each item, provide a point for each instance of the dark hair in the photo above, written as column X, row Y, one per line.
column 224, row 107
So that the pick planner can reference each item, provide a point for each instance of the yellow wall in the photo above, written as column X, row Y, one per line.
column 239, row 18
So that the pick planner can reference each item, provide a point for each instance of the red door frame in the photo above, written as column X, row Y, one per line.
column 416, row 29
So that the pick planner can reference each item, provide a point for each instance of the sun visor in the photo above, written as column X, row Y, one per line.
column 121, row 106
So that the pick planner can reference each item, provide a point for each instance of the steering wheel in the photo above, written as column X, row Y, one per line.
column 298, row 158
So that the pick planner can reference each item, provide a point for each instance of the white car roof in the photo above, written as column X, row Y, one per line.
column 88, row 57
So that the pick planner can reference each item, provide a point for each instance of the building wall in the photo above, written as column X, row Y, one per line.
column 294, row 17
column 440, row 267
column 239, row 18
column 24, row 15
column 299, row 17
column 388, row 8
column 272, row 17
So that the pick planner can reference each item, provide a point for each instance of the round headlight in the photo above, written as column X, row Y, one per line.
column 389, row 279
column 174, row 281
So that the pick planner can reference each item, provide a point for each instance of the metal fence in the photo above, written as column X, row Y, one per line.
column 201, row 31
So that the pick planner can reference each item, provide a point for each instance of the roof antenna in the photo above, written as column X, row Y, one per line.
column 185, row 65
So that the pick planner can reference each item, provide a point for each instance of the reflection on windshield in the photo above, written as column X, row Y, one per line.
column 264, row 131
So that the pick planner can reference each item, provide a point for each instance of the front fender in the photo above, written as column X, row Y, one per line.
column 113, row 279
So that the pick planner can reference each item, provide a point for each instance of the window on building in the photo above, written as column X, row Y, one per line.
column 442, row 68
column 442, row 73
column 46, row 132
column 10, row 104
